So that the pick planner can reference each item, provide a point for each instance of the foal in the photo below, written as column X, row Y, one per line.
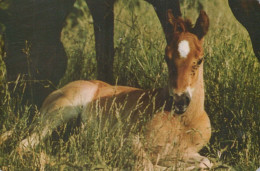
column 177, row 126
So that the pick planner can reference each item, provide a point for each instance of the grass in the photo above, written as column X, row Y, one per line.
column 231, row 74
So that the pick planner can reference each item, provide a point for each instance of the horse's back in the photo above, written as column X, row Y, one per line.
column 75, row 94
column 80, row 93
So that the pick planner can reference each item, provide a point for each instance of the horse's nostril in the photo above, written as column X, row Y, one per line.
column 187, row 99
column 181, row 102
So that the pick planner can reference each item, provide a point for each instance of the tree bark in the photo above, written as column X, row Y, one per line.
column 161, row 7
column 33, row 46
column 103, row 17
column 247, row 12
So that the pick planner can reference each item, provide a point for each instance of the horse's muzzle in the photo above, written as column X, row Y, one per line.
column 181, row 102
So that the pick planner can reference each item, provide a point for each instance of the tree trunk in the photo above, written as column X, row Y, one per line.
column 33, row 46
column 248, row 14
column 103, row 17
column 161, row 7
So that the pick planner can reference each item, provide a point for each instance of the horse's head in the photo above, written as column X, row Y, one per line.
column 184, row 57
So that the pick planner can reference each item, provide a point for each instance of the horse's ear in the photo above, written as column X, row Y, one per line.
column 171, row 18
column 177, row 24
column 202, row 25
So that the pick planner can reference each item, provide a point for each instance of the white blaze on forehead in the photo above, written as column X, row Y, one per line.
column 184, row 48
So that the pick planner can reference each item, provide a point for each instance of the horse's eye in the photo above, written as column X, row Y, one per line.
column 167, row 58
column 200, row 61
column 179, row 29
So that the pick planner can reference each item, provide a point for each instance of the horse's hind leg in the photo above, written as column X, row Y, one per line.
column 47, row 124
column 59, row 108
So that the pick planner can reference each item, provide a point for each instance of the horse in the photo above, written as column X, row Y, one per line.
column 46, row 47
column 177, row 126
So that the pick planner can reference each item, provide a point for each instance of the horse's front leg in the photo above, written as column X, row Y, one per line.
column 196, row 161
column 143, row 161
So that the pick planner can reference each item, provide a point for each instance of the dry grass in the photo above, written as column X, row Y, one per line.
column 231, row 80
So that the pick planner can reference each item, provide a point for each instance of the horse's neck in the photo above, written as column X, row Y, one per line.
column 199, row 95
column 196, row 107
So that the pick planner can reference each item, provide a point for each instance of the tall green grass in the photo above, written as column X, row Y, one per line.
column 231, row 74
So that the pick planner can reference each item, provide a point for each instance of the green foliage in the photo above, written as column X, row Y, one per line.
column 231, row 74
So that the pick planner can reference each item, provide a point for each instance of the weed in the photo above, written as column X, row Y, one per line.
column 231, row 74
